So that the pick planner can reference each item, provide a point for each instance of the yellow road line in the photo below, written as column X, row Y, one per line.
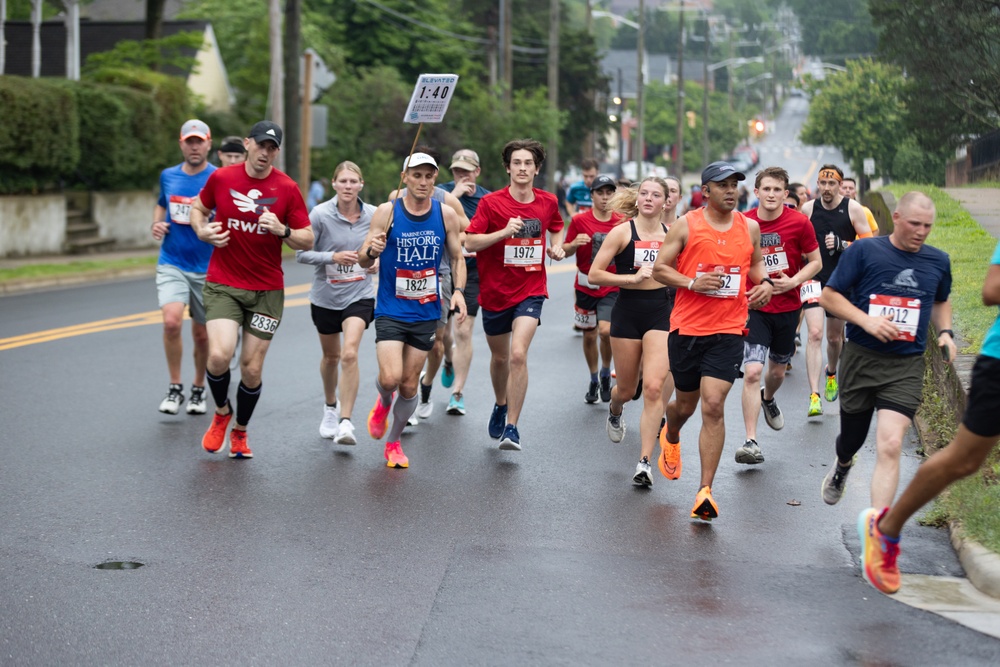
column 812, row 168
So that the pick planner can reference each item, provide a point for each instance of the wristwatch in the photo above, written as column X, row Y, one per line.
column 767, row 280
column 288, row 232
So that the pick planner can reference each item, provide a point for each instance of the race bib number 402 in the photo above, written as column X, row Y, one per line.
column 903, row 312
column 339, row 273
column 731, row 280
column 525, row 253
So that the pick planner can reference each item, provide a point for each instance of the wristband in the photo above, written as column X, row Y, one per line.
column 459, row 289
column 767, row 280
column 368, row 251
column 691, row 284
column 288, row 232
column 947, row 331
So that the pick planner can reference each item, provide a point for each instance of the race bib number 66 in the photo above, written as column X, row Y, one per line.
column 263, row 323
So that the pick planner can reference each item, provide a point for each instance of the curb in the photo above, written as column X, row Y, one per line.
column 981, row 565
column 26, row 285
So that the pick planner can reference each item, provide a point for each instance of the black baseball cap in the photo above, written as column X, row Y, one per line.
column 720, row 171
column 266, row 130
column 603, row 181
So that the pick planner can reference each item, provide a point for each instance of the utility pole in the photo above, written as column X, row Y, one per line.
column 506, row 53
column 679, row 145
column 305, row 155
column 704, row 100
column 276, row 94
column 552, row 152
column 491, row 56
column 621, row 125
column 640, row 134
column 590, row 140
column 292, row 143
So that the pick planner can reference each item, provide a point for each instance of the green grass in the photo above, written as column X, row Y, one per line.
column 72, row 268
column 972, row 501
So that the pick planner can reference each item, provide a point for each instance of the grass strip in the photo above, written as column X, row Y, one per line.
column 36, row 271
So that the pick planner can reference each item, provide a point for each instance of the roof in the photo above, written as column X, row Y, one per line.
column 95, row 37
column 658, row 67
column 126, row 10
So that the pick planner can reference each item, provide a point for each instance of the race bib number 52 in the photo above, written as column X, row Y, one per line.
column 731, row 280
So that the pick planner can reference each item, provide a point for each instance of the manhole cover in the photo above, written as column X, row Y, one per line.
column 119, row 565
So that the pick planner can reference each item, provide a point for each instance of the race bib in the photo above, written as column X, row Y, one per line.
column 583, row 281
column 180, row 209
column 809, row 291
column 338, row 273
column 263, row 323
column 730, row 280
column 645, row 253
column 584, row 319
column 903, row 312
column 775, row 258
column 524, row 253
column 418, row 286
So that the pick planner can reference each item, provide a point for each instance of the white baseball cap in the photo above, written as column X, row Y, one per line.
column 418, row 159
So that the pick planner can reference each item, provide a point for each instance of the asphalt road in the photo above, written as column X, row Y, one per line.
column 313, row 553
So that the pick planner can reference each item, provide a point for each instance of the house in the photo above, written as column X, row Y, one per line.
column 208, row 78
column 657, row 67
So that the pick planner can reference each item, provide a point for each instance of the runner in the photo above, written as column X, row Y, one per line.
column 587, row 231
column 889, row 289
column 715, row 250
column 578, row 196
column 231, row 152
column 640, row 319
column 257, row 207
column 849, row 188
column 838, row 221
column 342, row 298
column 180, row 270
column 508, row 235
column 977, row 435
column 785, row 237
column 413, row 231
column 465, row 169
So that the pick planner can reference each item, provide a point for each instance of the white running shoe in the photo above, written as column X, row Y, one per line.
column 616, row 427
column 329, row 427
column 424, row 409
column 171, row 404
column 196, row 404
column 345, row 433
column 643, row 473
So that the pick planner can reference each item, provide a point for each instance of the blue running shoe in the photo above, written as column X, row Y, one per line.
column 497, row 421
column 447, row 374
column 456, row 404
column 511, row 438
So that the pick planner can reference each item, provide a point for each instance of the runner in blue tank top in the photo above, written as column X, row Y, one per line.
column 410, row 235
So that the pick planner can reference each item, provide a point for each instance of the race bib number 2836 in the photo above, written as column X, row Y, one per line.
column 263, row 323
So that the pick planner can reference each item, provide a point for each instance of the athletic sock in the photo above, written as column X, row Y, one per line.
column 219, row 384
column 401, row 412
column 246, row 401
column 593, row 377
column 385, row 396
column 425, row 394
column 605, row 372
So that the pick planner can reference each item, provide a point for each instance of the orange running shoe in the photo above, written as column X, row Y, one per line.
column 394, row 456
column 215, row 436
column 878, row 554
column 669, row 461
column 238, row 448
column 704, row 507
column 378, row 418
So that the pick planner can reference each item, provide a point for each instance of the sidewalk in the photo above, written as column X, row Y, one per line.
column 983, row 204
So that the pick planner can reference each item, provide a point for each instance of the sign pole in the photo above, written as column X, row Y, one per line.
column 388, row 227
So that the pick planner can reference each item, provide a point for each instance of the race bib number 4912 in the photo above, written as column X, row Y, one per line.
column 901, row 311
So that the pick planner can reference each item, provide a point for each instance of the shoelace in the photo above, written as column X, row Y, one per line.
column 891, row 552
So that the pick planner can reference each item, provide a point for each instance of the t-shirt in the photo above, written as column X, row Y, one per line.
column 991, row 344
column 252, row 258
column 586, row 223
column 579, row 196
column 181, row 246
column 469, row 202
column 783, row 241
column 510, row 270
column 879, row 278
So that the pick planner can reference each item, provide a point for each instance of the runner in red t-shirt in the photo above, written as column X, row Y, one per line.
column 785, row 236
column 508, row 235
column 585, row 235
column 256, row 208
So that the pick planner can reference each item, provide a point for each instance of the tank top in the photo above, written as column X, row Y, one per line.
column 408, row 286
column 625, row 261
column 838, row 221
column 709, row 250
column 437, row 194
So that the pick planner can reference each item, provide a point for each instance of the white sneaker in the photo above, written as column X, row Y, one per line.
column 643, row 473
column 171, row 404
column 424, row 410
column 345, row 433
column 413, row 421
column 616, row 427
column 329, row 427
column 196, row 404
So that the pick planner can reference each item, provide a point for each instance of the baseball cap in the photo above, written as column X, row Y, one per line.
column 266, row 130
column 418, row 159
column 603, row 181
column 720, row 171
column 465, row 159
column 195, row 128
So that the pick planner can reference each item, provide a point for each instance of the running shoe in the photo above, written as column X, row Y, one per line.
column 456, row 404
column 788, row 367
column 511, row 438
column 196, row 403
column 378, row 418
column 330, row 426
column 215, row 436
column 606, row 389
column 592, row 392
column 424, row 406
column 171, row 404
column 616, row 427
column 704, row 506
column 394, row 456
column 669, row 462
column 833, row 483
column 497, row 421
column 798, row 340
column 772, row 413
column 447, row 374
column 832, row 389
column 413, row 420
column 815, row 406
column 643, row 473
column 238, row 448
column 345, row 433
column 749, row 453
column 878, row 553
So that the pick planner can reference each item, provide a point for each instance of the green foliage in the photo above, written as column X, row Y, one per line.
column 861, row 112
column 835, row 31
column 39, row 138
column 913, row 163
column 153, row 54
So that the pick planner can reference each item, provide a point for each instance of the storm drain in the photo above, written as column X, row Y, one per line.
column 119, row 565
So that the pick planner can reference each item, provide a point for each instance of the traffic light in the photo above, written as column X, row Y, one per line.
column 756, row 127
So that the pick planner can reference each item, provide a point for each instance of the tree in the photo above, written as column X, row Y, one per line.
column 861, row 112
column 835, row 31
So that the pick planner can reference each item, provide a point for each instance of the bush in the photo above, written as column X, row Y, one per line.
column 916, row 165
